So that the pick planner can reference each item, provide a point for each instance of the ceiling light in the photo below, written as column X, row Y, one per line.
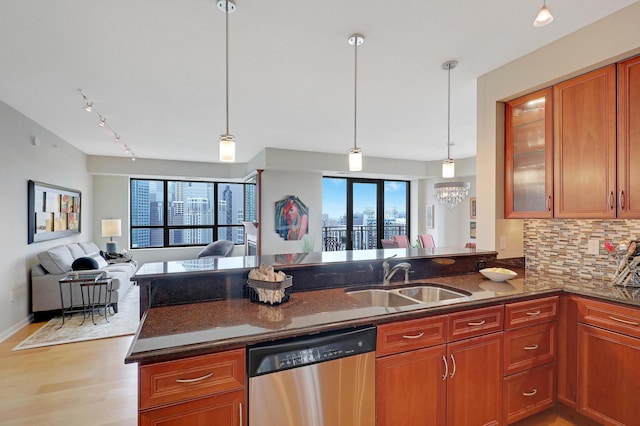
column 116, row 138
column 544, row 16
column 227, row 141
column 448, row 165
column 102, row 122
column 355, row 154
column 450, row 194
column 88, row 106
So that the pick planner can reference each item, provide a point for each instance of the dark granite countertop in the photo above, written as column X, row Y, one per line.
column 172, row 332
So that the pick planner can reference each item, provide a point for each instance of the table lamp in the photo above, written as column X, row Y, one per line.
column 111, row 228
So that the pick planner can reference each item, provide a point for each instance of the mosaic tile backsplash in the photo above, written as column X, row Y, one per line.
column 559, row 246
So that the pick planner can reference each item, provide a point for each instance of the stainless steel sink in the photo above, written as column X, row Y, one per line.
column 429, row 293
column 405, row 296
column 384, row 298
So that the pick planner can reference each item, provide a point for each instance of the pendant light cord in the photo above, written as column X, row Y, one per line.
column 355, row 95
column 449, row 112
column 226, row 24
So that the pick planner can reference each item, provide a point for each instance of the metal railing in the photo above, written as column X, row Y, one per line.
column 364, row 237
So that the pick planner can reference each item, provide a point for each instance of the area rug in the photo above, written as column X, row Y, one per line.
column 123, row 323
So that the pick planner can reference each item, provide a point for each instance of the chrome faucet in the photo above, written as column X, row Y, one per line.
column 387, row 273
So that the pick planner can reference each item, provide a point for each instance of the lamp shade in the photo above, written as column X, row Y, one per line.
column 544, row 17
column 355, row 160
column 227, row 149
column 111, row 227
column 448, row 169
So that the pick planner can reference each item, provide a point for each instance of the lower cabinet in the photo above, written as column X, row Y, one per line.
column 528, row 392
column 608, row 362
column 425, row 381
column 208, row 389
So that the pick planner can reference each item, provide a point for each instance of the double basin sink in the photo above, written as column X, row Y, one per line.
column 414, row 294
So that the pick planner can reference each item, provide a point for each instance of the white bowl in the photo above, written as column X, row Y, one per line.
column 498, row 274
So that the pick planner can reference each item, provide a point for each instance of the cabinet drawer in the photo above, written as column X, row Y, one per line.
column 536, row 311
column 528, row 392
column 529, row 347
column 413, row 334
column 175, row 381
column 475, row 322
column 612, row 317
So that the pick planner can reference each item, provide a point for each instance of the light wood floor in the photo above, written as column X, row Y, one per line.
column 87, row 383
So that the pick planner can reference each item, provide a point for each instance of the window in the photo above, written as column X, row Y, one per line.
column 358, row 213
column 170, row 213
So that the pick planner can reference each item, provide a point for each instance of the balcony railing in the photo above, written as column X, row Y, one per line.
column 364, row 237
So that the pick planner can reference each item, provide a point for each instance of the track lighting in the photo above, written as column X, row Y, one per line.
column 102, row 122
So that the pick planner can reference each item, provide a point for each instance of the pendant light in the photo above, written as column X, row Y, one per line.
column 544, row 16
column 448, row 166
column 355, row 154
column 227, row 141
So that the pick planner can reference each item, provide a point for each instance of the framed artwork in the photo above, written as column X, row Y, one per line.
column 430, row 211
column 292, row 218
column 472, row 207
column 472, row 229
column 54, row 211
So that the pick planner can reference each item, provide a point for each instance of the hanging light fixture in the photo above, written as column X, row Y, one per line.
column 227, row 141
column 544, row 16
column 450, row 194
column 355, row 153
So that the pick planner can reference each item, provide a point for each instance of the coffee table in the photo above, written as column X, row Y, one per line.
column 76, row 278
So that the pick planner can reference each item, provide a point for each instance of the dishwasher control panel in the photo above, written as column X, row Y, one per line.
column 280, row 355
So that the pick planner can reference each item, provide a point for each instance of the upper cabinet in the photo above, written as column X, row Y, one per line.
column 585, row 145
column 529, row 156
column 629, row 138
column 569, row 153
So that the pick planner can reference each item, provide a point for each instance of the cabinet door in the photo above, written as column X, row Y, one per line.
column 528, row 180
column 585, row 146
column 220, row 410
column 629, row 138
column 411, row 388
column 568, row 350
column 474, row 387
column 609, row 376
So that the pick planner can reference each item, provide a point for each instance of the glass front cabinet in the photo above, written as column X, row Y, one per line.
column 529, row 156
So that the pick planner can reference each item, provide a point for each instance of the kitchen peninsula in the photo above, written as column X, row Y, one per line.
column 214, row 334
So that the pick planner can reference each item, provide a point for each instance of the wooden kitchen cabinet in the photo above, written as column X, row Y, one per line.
column 585, row 146
column 629, row 138
column 568, row 350
column 528, row 155
column 608, row 362
column 207, row 389
column 422, row 380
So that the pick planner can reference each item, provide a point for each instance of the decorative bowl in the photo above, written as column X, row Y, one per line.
column 498, row 274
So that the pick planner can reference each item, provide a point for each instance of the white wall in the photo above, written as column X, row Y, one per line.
column 54, row 162
column 606, row 41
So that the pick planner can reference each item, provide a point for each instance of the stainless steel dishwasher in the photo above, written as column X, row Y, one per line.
column 325, row 379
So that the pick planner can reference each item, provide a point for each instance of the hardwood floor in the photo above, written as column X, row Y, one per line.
column 74, row 384
column 88, row 383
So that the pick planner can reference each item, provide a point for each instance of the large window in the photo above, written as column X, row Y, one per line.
column 358, row 213
column 170, row 213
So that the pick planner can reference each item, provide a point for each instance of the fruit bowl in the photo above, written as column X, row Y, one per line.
column 498, row 274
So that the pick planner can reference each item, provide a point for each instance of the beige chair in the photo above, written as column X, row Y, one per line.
column 401, row 240
column 426, row 240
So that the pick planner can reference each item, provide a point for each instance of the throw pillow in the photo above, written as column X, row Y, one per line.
column 84, row 264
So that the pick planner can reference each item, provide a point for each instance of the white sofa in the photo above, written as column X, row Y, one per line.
column 56, row 262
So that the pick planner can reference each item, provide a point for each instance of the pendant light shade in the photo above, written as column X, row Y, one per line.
column 227, row 142
column 544, row 16
column 448, row 168
column 355, row 154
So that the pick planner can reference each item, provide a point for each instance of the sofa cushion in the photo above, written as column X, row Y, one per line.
column 76, row 250
column 99, row 260
column 90, row 248
column 84, row 264
column 56, row 260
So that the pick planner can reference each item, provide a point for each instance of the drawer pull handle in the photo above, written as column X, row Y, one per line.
column 453, row 361
column 197, row 379
column 241, row 422
column 476, row 323
column 531, row 348
column 534, row 313
column 623, row 321
column 415, row 336
column 531, row 393
column 446, row 368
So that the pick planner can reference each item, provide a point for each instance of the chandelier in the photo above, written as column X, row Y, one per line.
column 451, row 194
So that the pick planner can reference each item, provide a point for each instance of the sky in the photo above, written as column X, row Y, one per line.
column 334, row 194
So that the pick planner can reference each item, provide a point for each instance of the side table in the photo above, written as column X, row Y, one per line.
column 92, row 302
column 71, row 279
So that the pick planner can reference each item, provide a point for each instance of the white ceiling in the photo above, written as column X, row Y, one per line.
column 155, row 69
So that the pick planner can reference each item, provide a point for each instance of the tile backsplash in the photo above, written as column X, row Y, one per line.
column 559, row 246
